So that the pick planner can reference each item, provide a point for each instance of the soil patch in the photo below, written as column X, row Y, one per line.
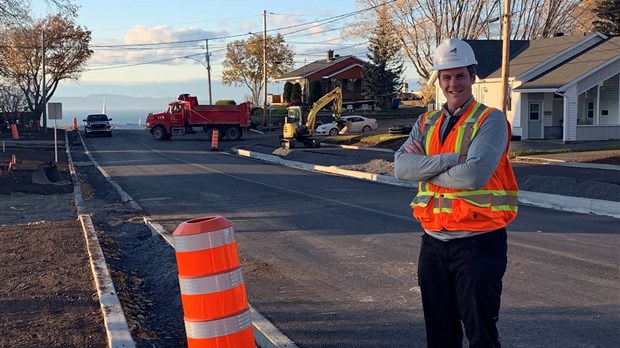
column 48, row 297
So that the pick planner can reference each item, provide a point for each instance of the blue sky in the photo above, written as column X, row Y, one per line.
column 160, row 71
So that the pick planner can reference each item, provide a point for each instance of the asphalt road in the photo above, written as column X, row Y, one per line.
column 331, row 261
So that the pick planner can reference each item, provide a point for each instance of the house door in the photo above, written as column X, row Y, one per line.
column 535, row 121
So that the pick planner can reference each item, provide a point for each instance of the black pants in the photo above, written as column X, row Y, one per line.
column 461, row 280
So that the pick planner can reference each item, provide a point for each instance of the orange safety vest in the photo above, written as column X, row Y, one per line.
column 440, row 208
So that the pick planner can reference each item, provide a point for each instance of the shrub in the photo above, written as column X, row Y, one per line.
column 225, row 102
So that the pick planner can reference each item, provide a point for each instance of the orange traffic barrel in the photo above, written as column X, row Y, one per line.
column 215, row 140
column 75, row 126
column 14, row 132
column 215, row 307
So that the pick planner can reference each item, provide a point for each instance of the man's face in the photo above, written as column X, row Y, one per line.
column 456, row 86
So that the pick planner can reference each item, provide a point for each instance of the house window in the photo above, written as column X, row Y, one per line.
column 590, row 109
column 534, row 112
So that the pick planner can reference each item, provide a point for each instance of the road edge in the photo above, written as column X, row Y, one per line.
column 538, row 199
column 115, row 322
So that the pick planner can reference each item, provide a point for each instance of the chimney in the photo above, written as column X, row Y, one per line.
column 330, row 55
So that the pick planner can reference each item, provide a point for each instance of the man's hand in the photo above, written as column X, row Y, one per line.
column 415, row 147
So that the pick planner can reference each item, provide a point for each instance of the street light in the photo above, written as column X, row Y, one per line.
column 208, row 75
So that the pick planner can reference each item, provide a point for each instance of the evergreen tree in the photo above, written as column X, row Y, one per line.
column 288, row 89
column 608, row 17
column 296, row 94
column 382, row 73
column 315, row 92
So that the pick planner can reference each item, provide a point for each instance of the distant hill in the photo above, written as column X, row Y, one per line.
column 112, row 102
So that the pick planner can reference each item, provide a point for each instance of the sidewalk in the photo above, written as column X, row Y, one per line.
column 537, row 195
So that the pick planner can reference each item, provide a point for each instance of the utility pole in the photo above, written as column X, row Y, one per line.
column 505, row 55
column 265, row 67
column 43, row 87
column 207, row 55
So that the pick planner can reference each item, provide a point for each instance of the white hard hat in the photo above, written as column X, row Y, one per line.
column 453, row 53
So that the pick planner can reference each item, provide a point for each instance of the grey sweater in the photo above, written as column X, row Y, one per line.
column 444, row 169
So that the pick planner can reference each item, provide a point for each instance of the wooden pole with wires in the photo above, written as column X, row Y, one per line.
column 505, row 55
column 264, row 67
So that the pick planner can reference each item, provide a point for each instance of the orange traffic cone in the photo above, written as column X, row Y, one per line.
column 215, row 139
column 14, row 132
column 215, row 307
column 75, row 126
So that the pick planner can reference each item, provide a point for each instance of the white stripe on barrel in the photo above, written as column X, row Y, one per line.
column 211, row 284
column 204, row 240
column 218, row 328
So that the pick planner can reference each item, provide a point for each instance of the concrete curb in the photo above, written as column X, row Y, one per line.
column 543, row 200
column 267, row 335
column 562, row 163
column 115, row 323
column 353, row 147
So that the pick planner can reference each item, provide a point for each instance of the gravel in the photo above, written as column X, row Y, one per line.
column 142, row 265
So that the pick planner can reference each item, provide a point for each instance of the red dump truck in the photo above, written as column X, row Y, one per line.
column 186, row 116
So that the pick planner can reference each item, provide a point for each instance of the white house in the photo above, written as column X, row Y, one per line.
column 564, row 87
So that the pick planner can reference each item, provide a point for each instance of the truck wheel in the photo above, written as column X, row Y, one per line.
column 159, row 133
column 233, row 133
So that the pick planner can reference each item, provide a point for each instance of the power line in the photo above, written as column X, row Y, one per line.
column 300, row 28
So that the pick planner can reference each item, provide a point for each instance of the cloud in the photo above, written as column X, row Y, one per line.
column 143, row 44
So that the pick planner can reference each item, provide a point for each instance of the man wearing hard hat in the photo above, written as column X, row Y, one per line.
column 467, row 195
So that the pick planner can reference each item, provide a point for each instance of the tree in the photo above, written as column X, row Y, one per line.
column 382, row 73
column 11, row 99
column 608, row 17
column 66, row 53
column 423, row 25
column 296, row 93
column 286, row 94
column 243, row 64
column 428, row 93
column 16, row 12
column 585, row 16
column 315, row 93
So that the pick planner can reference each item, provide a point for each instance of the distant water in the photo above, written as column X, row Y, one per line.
column 121, row 118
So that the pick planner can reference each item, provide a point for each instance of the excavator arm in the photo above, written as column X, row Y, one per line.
column 293, row 131
column 334, row 95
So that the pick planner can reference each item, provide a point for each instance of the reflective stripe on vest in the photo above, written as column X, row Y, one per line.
column 497, row 200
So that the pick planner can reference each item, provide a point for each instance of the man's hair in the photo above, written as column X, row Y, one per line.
column 472, row 70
